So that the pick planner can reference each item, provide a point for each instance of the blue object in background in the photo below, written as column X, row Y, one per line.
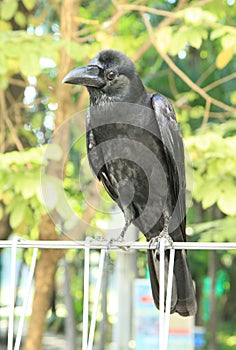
column 146, row 323
column 199, row 338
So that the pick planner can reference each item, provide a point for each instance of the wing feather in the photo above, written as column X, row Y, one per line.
column 174, row 153
column 96, row 160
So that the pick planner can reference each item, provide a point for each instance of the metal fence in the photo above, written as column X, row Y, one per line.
column 88, row 245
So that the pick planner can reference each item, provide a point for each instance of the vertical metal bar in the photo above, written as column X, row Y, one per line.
column 26, row 299
column 12, row 295
column 96, row 300
column 162, row 293
column 86, row 298
column 168, row 297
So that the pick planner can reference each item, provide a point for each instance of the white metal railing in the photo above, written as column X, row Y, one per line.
column 87, row 245
column 99, row 244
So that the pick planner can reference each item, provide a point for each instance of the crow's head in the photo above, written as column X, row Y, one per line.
column 109, row 77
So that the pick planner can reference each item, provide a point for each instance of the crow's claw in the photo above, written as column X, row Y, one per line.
column 119, row 239
column 156, row 242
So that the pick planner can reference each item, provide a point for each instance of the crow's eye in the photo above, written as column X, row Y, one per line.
column 111, row 75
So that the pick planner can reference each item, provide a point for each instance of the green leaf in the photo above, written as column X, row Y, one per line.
column 217, row 33
column 233, row 98
column 197, row 112
column 33, row 156
column 29, row 63
column 3, row 64
column 198, row 190
column 8, row 9
column 217, row 230
column 17, row 215
column 228, row 41
column 30, row 186
column 178, row 42
column 12, row 50
column 226, row 201
column 211, row 193
column 196, row 16
column 4, row 25
column 37, row 120
column 29, row 4
column 195, row 37
column 20, row 18
column 73, row 49
column 4, row 82
column 164, row 38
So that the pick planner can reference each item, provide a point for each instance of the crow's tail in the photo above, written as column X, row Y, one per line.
column 183, row 295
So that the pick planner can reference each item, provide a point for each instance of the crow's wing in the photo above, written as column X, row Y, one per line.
column 96, row 160
column 174, row 153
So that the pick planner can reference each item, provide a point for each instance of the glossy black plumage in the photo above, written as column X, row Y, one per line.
column 135, row 148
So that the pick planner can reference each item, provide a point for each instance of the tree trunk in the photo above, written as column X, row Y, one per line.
column 44, row 283
column 47, row 264
column 5, row 228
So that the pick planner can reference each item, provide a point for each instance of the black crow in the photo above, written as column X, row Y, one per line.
column 135, row 148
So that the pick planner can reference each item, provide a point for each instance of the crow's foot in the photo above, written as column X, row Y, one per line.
column 123, row 232
column 119, row 239
column 156, row 241
column 163, row 234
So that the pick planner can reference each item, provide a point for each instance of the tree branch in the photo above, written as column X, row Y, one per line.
column 165, row 22
column 141, row 8
column 220, row 81
column 180, row 73
column 9, row 123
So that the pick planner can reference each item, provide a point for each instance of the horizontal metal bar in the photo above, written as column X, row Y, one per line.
column 114, row 245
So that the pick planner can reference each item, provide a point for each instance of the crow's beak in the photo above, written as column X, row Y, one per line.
column 87, row 76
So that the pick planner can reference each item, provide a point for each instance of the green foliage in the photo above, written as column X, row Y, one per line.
column 214, row 170
column 217, row 230
column 183, row 36
column 29, row 4
column 20, row 188
column 226, row 336
column 21, row 52
column 8, row 9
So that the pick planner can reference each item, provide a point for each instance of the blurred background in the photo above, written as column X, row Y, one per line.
column 182, row 49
